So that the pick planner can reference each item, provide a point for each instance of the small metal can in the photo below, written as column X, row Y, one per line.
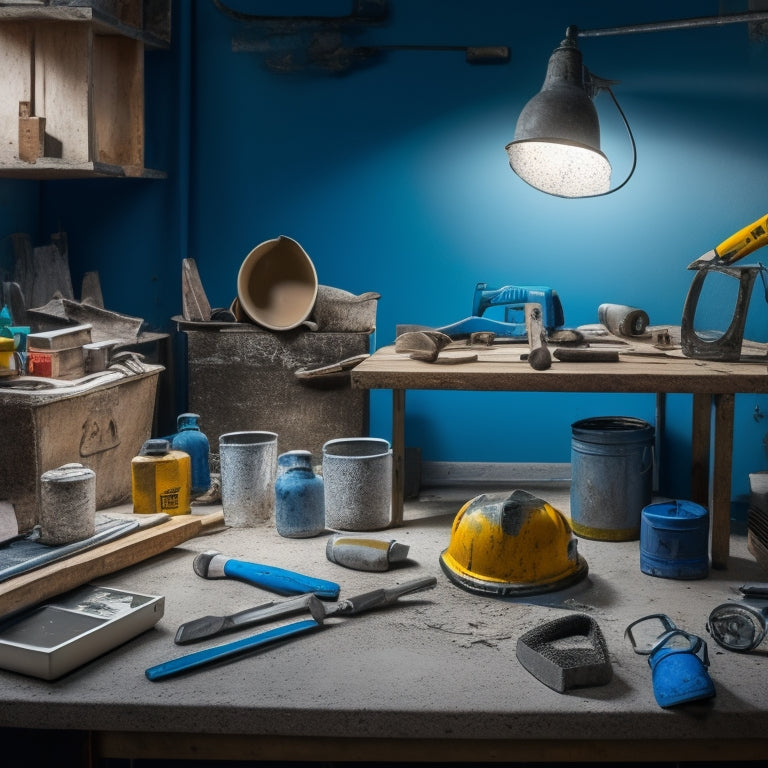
column 67, row 504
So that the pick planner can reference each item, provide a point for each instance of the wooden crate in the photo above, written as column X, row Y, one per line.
column 88, row 87
column 79, row 66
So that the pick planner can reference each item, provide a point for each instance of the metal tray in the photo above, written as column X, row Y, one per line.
column 58, row 636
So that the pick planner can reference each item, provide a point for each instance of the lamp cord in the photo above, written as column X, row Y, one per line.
column 631, row 140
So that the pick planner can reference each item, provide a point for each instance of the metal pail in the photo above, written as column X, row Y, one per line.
column 611, row 476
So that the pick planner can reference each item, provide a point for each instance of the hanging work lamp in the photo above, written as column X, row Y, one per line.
column 557, row 139
column 556, row 147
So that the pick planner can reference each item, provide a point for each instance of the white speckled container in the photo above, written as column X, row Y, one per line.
column 67, row 504
column 248, row 472
column 357, row 476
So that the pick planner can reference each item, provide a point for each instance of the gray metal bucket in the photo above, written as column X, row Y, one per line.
column 611, row 476
column 248, row 473
column 357, row 475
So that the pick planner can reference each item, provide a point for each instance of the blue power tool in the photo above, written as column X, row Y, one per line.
column 514, row 298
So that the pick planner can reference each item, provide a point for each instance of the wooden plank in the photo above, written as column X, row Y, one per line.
column 118, row 101
column 60, row 338
column 15, row 84
column 386, row 369
column 194, row 302
column 147, row 745
column 54, row 579
column 63, row 81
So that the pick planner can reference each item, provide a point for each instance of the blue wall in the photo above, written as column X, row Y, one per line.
column 394, row 178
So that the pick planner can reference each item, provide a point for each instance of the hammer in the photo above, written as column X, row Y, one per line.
column 211, row 564
column 539, row 357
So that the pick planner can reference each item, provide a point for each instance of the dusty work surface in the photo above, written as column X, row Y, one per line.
column 439, row 669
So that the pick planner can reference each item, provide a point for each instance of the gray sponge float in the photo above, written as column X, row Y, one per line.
column 566, row 653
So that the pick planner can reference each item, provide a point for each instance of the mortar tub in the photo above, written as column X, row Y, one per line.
column 338, row 311
column 101, row 423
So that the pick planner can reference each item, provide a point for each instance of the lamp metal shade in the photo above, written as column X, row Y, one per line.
column 556, row 147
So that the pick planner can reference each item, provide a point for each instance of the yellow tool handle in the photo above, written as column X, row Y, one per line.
column 744, row 242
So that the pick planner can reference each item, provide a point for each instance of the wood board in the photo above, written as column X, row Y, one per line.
column 59, row 577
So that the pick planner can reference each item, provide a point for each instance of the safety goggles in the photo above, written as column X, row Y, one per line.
column 678, row 660
column 657, row 631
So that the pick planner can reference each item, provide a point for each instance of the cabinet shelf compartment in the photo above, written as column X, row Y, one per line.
column 86, row 81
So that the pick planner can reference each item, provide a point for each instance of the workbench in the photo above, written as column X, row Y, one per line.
column 433, row 679
column 713, row 386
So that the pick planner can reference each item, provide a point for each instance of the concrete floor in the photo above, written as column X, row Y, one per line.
column 387, row 664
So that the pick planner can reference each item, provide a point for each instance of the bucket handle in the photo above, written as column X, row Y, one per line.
column 646, row 450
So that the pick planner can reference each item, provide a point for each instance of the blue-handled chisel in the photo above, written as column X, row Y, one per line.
column 213, row 565
column 228, row 650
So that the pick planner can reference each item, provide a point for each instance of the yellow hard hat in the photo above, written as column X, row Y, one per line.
column 512, row 544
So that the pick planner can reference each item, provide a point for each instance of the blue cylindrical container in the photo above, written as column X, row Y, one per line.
column 611, row 476
column 674, row 540
column 191, row 440
column 299, row 497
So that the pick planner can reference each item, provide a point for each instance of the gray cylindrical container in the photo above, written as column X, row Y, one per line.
column 611, row 476
column 357, row 475
column 67, row 504
column 248, row 472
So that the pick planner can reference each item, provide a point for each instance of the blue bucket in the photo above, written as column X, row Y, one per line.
column 674, row 540
column 611, row 476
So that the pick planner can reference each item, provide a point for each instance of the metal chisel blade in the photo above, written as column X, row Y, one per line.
column 211, row 626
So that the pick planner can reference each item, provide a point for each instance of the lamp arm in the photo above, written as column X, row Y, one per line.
column 700, row 21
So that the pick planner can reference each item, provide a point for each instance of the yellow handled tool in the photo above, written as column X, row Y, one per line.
column 737, row 246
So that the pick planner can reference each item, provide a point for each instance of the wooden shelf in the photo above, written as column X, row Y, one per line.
column 148, row 21
column 50, row 168
column 72, row 92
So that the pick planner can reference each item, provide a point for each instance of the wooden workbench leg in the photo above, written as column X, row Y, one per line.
column 700, row 444
column 721, row 480
column 658, row 440
column 398, row 455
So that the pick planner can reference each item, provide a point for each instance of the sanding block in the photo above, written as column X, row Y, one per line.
column 566, row 653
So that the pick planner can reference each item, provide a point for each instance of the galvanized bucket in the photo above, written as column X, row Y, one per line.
column 611, row 476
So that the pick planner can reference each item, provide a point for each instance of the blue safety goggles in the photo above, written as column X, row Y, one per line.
column 678, row 659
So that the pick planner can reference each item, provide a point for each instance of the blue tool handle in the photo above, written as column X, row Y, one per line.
column 279, row 580
column 221, row 652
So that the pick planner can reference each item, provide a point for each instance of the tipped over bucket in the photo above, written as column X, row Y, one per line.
column 277, row 284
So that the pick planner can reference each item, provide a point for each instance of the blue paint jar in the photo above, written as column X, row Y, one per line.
column 299, row 497
column 191, row 440
column 674, row 540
